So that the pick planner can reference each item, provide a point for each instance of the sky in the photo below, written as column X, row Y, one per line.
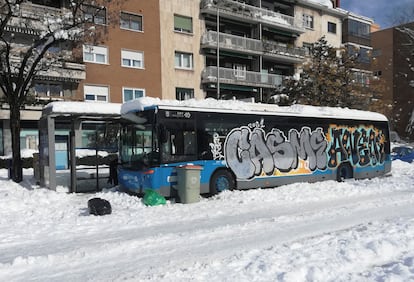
column 382, row 11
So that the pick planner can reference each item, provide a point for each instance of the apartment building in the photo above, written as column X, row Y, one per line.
column 394, row 56
column 181, row 49
column 356, row 38
column 181, row 60
column 60, row 80
column 126, row 64
column 320, row 19
column 248, row 47
column 195, row 49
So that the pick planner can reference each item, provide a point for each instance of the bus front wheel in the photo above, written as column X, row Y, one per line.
column 222, row 180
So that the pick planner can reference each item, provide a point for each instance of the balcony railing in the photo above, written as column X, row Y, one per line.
column 65, row 71
column 253, row 46
column 33, row 11
column 242, row 77
column 30, row 19
column 59, row 71
column 250, row 13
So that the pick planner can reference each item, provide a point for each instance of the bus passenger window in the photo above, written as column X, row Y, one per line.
column 183, row 143
column 189, row 143
column 176, row 145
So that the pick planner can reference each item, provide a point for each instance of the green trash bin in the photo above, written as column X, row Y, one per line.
column 188, row 183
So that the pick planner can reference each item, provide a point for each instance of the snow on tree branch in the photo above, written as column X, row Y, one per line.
column 408, row 31
column 36, row 40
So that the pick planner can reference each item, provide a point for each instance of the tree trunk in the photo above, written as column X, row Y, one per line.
column 16, row 165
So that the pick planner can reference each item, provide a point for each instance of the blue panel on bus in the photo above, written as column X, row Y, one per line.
column 163, row 176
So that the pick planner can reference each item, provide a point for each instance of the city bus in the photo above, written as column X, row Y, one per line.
column 241, row 145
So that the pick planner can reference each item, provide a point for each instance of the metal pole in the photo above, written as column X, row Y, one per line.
column 72, row 144
column 218, row 51
column 261, row 64
column 96, row 160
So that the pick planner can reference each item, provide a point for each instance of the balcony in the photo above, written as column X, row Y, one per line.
column 59, row 71
column 357, row 39
column 65, row 71
column 38, row 12
column 253, row 46
column 241, row 77
column 30, row 19
column 247, row 13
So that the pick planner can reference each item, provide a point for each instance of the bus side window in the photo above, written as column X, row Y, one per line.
column 189, row 143
column 204, row 140
column 176, row 144
column 183, row 143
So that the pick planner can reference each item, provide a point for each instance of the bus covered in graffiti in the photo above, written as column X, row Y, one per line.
column 246, row 145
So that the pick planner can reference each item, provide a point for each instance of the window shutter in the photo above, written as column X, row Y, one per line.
column 183, row 23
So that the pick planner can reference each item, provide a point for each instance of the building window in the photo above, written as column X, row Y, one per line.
column 94, row 14
column 132, row 59
column 359, row 29
column 308, row 48
column 1, row 142
column 184, row 93
column 132, row 93
column 183, row 24
column 362, row 78
column 377, row 73
column 95, row 54
column 332, row 27
column 48, row 89
column 183, row 60
column 29, row 139
column 55, row 4
column 239, row 71
column 364, row 55
column 307, row 21
column 361, row 54
column 131, row 21
column 376, row 53
column 96, row 93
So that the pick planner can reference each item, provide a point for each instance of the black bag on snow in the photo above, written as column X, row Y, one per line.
column 98, row 206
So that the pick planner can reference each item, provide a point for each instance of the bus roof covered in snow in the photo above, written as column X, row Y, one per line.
column 234, row 106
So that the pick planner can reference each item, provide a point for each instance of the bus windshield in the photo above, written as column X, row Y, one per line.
column 139, row 149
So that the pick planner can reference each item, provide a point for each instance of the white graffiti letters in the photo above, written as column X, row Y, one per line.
column 237, row 152
column 276, row 142
column 250, row 152
column 216, row 147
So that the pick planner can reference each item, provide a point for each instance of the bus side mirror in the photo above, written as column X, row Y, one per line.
column 162, row 134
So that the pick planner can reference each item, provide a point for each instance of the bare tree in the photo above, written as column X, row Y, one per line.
column 401, row 15
column 407, row 50
column 26, row 41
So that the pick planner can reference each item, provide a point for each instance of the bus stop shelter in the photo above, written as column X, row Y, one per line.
column 62, row 128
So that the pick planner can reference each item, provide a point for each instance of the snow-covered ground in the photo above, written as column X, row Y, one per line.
column 328, row 231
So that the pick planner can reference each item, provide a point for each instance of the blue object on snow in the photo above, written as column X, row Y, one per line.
column 403, row 153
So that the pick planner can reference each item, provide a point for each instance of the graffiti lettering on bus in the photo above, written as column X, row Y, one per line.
column 361, row 146
column 249, row 151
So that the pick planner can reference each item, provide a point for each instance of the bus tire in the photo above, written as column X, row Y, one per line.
column 344, row 171
column 222, row 180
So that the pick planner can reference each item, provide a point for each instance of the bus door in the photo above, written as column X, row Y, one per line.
column 178, row 146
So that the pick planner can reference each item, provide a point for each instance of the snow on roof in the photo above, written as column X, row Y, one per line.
column 326, row 3
column 213, row 105
column 62, row 107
